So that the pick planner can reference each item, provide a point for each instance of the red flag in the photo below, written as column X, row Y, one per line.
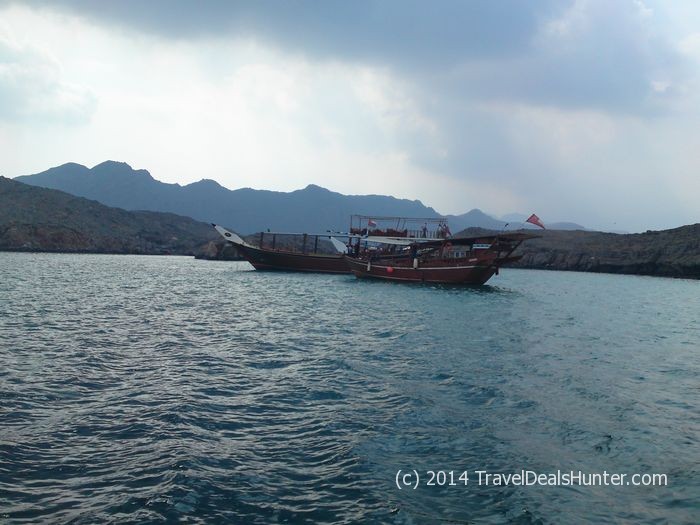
column 371, row 223
column 534, row 219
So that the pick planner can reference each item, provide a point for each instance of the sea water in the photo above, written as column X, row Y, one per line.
column 147, row 389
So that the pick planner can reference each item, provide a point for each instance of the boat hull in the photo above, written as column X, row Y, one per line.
column 272, row 260
column 444, row 274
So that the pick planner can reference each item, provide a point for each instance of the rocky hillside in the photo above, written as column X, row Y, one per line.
column 666, row 253
column 39, row 219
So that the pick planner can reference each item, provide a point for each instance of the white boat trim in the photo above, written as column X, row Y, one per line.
column 231, row 236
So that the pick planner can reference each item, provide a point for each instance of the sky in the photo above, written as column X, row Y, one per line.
column 584, row 111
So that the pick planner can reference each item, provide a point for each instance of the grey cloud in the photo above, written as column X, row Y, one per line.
column 408, row 31
column 595, row 54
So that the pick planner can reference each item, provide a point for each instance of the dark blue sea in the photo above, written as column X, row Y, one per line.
column 165, row 389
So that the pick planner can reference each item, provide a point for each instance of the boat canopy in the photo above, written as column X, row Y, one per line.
column 392, row 227
column 455, row 241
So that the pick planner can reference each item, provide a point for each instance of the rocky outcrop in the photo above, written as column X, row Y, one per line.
column 667, row 253
column 218, row 251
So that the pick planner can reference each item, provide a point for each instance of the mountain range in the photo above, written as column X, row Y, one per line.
column 246, row 210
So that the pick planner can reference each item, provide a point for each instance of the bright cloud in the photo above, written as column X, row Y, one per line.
column 33, row 86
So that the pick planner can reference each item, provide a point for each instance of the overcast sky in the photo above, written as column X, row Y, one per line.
column 577, row 110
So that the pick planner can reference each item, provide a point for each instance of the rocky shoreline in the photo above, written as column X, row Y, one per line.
column 665, row 253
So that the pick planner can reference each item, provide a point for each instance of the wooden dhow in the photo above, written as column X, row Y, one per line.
column 281, row 257
column 453, row 260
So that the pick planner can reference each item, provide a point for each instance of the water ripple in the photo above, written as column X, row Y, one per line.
column 149, row 389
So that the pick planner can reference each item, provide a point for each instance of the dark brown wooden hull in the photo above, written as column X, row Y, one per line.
column 272, row 260
column 476, row 273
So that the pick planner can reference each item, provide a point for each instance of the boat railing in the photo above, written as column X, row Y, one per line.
column 418, row 227
column 303, row 243
column 389, row 232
